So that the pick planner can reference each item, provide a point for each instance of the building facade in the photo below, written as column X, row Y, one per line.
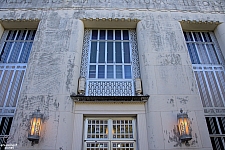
column 112, row 74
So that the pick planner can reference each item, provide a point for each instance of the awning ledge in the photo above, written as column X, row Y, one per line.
column 82, row 98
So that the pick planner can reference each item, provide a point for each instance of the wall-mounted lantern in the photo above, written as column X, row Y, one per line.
column 35, row 127
column 184, row 127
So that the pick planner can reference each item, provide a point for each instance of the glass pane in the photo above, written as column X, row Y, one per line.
column 102, row 34
column 188, row 36
column 5, row 52
column 110, row 52
column 92, row 71
column 21, row 35
column 11, row 35
column 110, row 35
column 25, row 52
column 125, row 35
column 101, row 58
column 119, row 72
column 118, row 52
column 30, row 34
column 193, row 53
column 212, row 54
column 206, row 36
column 127, row 70
column 101, row 71
column 203, row 54
column 118, row 34
column 197, row 36
column 94, row 35
column 93, row 52
column 110, row 71
column 126, row 52
column 15, row 52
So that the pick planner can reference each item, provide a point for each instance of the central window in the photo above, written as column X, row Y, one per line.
column 110, row 55
column 110, row 62
column 109, row 134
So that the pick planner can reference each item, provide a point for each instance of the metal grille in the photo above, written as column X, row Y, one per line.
column 109, row 134
column 109, row 88
column 216, row 127
column 15, row 49
column 109, row 57
column 208, row 67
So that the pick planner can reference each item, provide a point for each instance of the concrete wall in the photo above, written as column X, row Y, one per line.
column 54, row 69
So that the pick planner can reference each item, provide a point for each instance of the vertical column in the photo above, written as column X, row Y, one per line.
column 1, row 30
column 78, row 132
column 220, row 35
column 142, row 134
column 67, row 119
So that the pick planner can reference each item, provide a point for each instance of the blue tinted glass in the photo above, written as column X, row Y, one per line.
column 30, row 34
column 15, row 52
column 197, row 36
column 93, row 52
column 118, row 52
column 126, row 52
column 94, row 35
column 110, row 71
column 188, row 36
column 102, row 34
column 5, row 52
column 101, row 71
column 118, row 34
column 11, row 35
column 125, row 35
column 110, row 35
column 206, row 36
column 109, row 52
column 21, row 35
column 92, row 71
column 127, row 70
column 25, row 52
column 119, row 72
column 101, row 58
column 193, row 53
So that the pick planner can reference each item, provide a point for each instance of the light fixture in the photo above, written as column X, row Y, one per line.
column 184, row 127
column 35, row 127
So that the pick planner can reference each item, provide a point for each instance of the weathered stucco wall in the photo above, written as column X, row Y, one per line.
column 54, row 68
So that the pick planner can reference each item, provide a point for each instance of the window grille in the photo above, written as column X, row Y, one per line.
column 15, row 47
column 208, row 65
column 109, row 133
column 110, row 57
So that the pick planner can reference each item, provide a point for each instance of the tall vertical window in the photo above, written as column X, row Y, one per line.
column 110, row 134
column 208, row 65
column 111, row 60
column 15, row 47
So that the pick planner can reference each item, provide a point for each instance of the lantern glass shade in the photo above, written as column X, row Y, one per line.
column 35, row 126
column 184, row 126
